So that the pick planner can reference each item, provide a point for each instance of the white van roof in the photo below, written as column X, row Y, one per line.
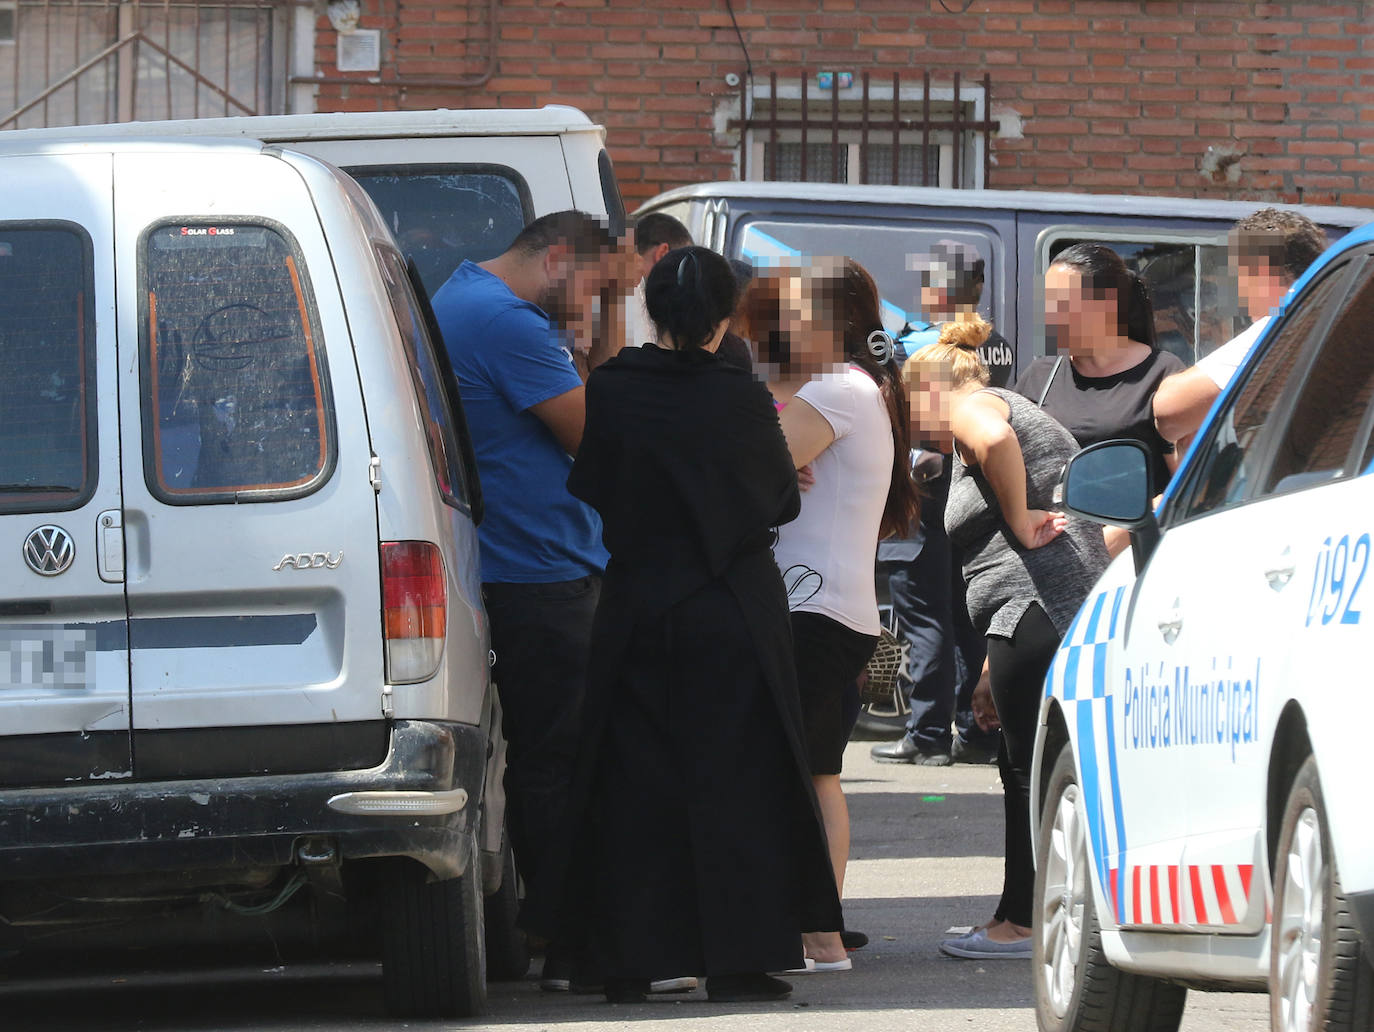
column 60, row 142
column 1114, row 204
column 552, row 119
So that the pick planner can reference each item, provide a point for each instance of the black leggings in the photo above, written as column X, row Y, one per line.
column 1017, row 668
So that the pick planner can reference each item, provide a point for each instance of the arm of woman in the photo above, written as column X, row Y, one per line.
column 981, row 427
column 1117, row 540
column 808, row 432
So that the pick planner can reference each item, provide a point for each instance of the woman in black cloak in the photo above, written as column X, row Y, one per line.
column 694, row 845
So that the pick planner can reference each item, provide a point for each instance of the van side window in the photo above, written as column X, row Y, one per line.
column 441, row 215
column 425, row 372
column 1229, row 465
column 236, row 396
column 47, row 354
column 1192, row 290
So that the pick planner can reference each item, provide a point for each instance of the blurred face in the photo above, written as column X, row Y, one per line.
column 817, row 344
column 1078, row 319
column 1258, row 287
column 934, row 303
column 930, row 393
column 571, row 284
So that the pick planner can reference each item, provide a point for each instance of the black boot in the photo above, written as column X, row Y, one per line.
column 853, row 940
column 904, row 750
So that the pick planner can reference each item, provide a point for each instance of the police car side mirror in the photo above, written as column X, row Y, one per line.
column 1108, row 483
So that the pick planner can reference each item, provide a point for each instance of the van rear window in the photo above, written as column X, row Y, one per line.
column 236, row 400
column 441, row 215
column 47, row 353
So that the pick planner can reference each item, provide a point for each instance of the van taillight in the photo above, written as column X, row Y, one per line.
column 414, row 610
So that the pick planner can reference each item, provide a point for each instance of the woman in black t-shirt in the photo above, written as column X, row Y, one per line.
column 1102, row 383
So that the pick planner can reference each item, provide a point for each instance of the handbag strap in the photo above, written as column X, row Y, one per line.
column 1059, row 361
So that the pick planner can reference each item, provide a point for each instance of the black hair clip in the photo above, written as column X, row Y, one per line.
column 682, row 271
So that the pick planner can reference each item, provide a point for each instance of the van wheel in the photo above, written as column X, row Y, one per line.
column 434, row 961
column 1319, row 971
column 1076, row 989
column 508, row 950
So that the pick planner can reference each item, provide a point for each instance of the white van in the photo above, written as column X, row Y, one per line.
column 246, row 691
column 450, row 184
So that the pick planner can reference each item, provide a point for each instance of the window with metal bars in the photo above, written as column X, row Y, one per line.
column 866, row 132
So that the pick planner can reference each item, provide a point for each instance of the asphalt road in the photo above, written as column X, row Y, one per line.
column 926, row 856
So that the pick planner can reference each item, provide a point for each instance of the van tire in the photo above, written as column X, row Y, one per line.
column 1101, row 998
column 508, row 949
column 1342, row 998
column 434, row 962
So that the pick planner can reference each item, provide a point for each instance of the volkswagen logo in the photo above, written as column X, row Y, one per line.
column 49, row 551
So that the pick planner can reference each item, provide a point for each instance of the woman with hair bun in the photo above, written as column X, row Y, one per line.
column 1102, row 384
column 694, row 841
column 1027, row 568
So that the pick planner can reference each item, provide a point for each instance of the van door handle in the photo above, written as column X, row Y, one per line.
column 1172, row 624
column 109, row 546
column 1281, row 572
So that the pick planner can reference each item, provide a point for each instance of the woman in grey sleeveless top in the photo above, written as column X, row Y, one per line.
column 1028, row 570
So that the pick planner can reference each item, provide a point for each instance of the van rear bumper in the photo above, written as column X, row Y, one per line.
column 228, row 823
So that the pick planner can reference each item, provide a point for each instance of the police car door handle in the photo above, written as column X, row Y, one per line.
column 1171, row 625
column 1281, row 572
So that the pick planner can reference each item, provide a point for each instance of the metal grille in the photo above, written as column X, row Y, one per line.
column 83, row 61
column 897, row 142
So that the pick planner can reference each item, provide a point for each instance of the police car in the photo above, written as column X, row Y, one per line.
column 1201, row 793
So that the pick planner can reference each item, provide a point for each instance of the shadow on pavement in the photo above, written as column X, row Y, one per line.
column 907, row 975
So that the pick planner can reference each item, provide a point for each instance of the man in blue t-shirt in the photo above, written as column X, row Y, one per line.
column 522, row 330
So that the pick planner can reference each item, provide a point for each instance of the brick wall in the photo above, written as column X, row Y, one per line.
column 1266, row 101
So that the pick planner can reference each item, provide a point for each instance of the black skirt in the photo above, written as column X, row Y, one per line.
column 830, row 657
column 697, row 814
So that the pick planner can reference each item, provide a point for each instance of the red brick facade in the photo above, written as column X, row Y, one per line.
column 1095, row 95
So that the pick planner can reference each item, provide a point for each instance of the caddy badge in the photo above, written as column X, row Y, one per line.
column 310, row 561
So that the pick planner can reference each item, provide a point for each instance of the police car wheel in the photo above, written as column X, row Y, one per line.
column 1076, row 989
column 1319, row 973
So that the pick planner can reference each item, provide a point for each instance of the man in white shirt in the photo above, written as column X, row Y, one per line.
column 1268, row 250
column 655, row 235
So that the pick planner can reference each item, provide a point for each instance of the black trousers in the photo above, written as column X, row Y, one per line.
column 541, row 635
column 1017, row 668
column 945, row 654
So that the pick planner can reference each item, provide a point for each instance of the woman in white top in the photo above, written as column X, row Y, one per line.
column 844, row 414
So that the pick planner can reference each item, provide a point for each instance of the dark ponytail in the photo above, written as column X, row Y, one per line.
column 846, row 298
column 689, row 293
column 1101, row 269
column 1140, row 312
